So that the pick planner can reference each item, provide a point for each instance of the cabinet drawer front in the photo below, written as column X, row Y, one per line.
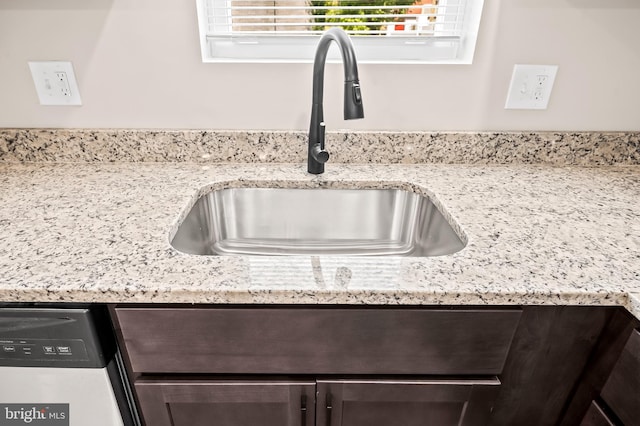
column 407, row 403
column 621, row 392
column 317, row 341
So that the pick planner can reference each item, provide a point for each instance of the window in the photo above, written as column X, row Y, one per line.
column 382, row 31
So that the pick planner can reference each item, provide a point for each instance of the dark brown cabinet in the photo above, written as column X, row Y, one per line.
column 343, row 366
column 317, row 341
column 608, row 392
column 226, row 403
column 596, row 416
column 613, row 380
column 339, row 402
column 406, row 403
column 373, row 366
column 621, row 392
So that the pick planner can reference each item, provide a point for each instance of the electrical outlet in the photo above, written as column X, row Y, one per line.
column 531, row 86
column 63, row 83
column 542, row 80
column 55, row 83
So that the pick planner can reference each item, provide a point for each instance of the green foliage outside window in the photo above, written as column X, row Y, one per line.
column 326, row 17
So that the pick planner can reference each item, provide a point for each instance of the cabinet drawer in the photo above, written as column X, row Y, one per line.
column 621, row 392
column 317, row 340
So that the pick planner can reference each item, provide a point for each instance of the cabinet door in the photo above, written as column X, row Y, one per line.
column 621, row 392
column 406, row 403
column 596, row 417
column 226, row 403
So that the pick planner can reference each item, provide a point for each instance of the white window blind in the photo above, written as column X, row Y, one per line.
column 382, row 30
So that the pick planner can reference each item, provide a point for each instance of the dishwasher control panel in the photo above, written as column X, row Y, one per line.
column 43, row 349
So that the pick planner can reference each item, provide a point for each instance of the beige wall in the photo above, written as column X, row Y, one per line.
column 138, row 66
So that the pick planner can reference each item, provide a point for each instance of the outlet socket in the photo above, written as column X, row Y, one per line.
column 55, row 83
column 531, row 86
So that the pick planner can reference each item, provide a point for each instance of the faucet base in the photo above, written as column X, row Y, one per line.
column 315, row 169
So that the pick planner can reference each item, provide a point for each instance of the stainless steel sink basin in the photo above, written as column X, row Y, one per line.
column 318, row 221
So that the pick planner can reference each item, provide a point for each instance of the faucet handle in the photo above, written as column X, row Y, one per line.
column 317, row 150
column 319, row 154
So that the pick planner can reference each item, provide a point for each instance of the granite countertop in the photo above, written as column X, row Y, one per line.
column 99, row 232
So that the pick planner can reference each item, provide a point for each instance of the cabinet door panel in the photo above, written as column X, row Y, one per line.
column 226, row 403
column 318, row 341
column 596, row 417
column 621, row 392
column 406, row 403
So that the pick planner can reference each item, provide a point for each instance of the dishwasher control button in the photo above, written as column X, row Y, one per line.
column 9, row 348
column 64, row 350
column 49, row 350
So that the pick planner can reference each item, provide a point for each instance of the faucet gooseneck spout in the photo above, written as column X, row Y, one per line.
column 317, row 154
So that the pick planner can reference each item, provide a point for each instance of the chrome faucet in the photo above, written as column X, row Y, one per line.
column 352, row 97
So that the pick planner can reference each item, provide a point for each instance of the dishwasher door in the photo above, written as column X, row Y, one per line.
column 60, row 366
column 57, row 396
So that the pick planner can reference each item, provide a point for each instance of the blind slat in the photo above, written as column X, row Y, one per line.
column 340, row 24
column 337, row 8
column 362, row 18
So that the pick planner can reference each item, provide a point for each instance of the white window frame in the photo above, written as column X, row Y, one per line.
column 300, row 49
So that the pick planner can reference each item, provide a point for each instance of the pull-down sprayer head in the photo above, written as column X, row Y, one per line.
column 352, row 100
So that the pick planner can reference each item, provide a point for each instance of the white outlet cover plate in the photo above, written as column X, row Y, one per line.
column 531, row 86
column 51, row 91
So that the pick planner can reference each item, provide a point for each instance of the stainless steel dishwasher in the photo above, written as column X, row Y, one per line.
column 61, row 367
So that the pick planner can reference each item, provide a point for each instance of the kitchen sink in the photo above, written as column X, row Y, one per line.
column 316, row 221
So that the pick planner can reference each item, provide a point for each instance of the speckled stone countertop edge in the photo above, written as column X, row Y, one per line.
column 633, row 304
column 629, row 301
